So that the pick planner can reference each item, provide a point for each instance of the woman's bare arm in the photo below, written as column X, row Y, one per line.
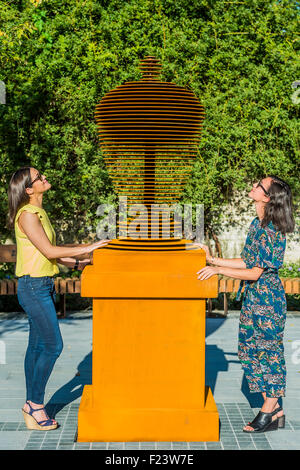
column 247, row 274
column 228, row 262
column 38, row 237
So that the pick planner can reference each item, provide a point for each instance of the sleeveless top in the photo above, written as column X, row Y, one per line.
column 29, row 259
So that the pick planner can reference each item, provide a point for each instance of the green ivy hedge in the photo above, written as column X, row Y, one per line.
column 58, row 59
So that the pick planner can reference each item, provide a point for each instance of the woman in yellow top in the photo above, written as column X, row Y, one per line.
column 37, row 257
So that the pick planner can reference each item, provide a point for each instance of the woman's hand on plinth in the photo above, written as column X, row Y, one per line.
column 98, row 244
column 207, row 272
column 205, row 248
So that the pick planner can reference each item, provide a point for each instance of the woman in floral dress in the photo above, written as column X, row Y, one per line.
column 263, row 311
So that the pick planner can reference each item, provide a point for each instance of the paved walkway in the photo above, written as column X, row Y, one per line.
column 223, row 373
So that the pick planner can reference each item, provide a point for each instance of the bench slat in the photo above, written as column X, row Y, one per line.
column 70, row 286
column 296, row 286
column 8, row 253
column 11, row 287
column 77, row 286
column 3, row 287
column 62, row 286
column 222, row 285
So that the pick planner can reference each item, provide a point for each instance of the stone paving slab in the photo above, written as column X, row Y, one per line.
column 224, row 375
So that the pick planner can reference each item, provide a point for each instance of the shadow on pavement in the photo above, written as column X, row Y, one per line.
column 215, row 362
column 72, row 389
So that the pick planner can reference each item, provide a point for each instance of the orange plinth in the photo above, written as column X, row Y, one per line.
column 148, row 380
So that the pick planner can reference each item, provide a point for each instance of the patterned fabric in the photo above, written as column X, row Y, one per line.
column 263, row 312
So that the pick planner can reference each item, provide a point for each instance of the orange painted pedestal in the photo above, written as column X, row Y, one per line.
column 148, row 381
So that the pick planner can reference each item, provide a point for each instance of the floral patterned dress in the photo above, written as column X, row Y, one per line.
column 263, row 312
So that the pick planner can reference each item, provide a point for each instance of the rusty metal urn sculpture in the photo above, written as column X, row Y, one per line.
column 149, row 132
column 148, row 378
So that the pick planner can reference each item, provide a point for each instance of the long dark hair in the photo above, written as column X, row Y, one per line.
column 17, row 196
column 279, row 209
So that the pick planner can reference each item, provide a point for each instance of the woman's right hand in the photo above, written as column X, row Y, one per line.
column 206, row 249
column 99, row 244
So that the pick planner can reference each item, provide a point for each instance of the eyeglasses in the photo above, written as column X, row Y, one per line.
column 39, row 177
column 264, row 190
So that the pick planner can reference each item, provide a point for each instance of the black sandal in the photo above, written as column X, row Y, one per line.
column 281, row 419
column 263, row 422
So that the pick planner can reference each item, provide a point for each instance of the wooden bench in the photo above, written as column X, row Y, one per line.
column 63, row 286
column 73, row 285
column 228, row 285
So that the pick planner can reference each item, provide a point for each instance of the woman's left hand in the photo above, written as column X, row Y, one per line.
column 207, row 272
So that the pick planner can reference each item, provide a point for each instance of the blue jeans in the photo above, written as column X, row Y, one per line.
column 36, row 296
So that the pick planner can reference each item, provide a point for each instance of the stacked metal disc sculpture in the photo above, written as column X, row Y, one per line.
column 149, row 131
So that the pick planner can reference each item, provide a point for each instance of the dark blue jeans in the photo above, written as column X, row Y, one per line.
column 36, row 296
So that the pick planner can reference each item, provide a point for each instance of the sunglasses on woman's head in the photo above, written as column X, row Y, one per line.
column 39, row 177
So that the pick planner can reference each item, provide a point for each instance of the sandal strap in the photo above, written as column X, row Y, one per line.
column 273, row 413
column 32, row 410
column 48, row 422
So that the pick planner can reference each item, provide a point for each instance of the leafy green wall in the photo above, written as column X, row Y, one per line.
column 58, row 58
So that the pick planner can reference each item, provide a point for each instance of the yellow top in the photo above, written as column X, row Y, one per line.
column 29, row 259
